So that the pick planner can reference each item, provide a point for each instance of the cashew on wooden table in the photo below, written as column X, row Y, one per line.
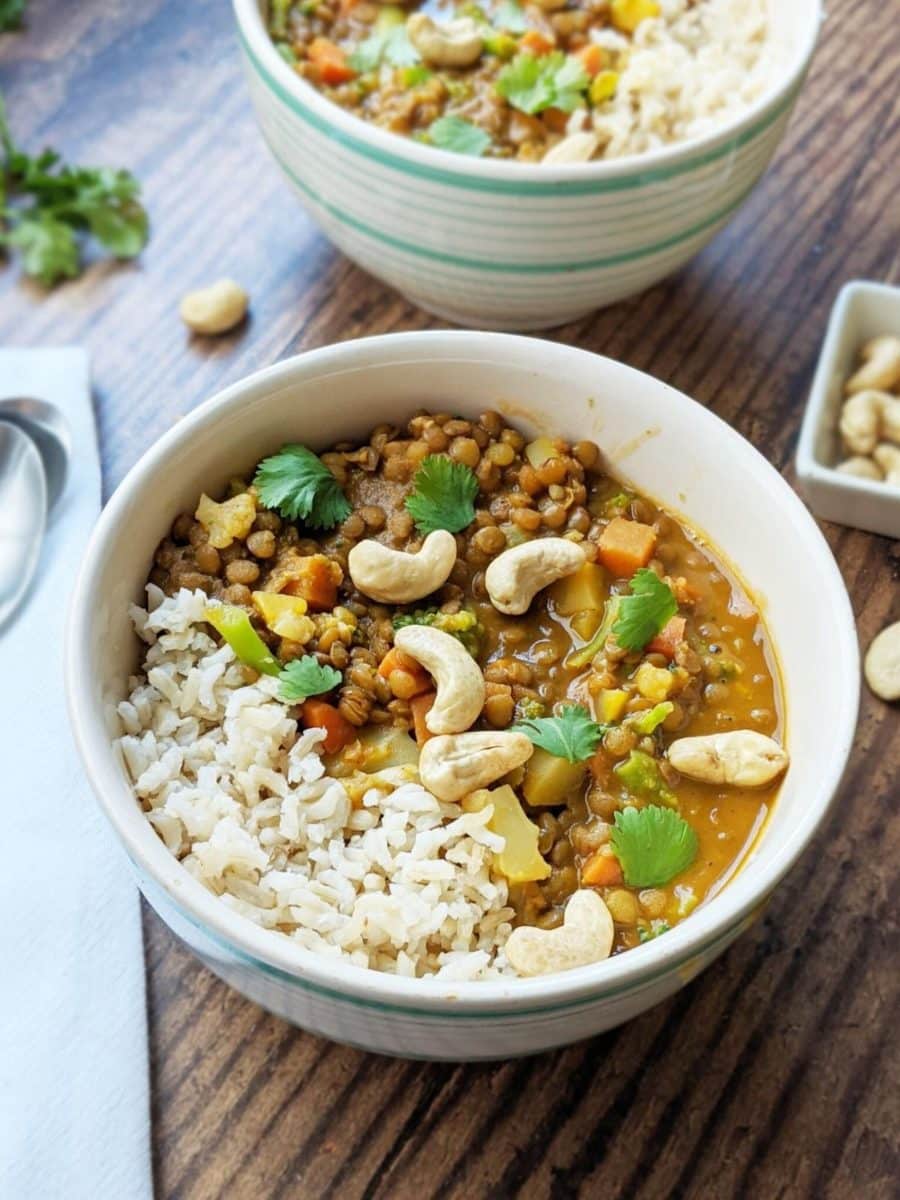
column 515, row 577
column 456, row 43
column 585, row 936
column 457, row 677
column 742, row 758
column 451, row 767
column 215, row 309
column 394, row 577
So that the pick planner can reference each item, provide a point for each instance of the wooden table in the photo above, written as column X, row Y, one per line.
column 775, row 1074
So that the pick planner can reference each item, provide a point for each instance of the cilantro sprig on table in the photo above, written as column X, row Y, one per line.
column 641, row 614
column 443, row 495
column 456, row 134
column 46, row 208
column 571, row 734
column 652, row 844
column 297, row 484
column 532, row 84
column 305, row 677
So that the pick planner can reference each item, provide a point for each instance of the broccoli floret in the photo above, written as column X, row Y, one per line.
column 529, row 709
column 462, row 625
column 647, row 932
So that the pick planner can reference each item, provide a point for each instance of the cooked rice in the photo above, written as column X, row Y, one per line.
column 688, row 71
column 397, row 882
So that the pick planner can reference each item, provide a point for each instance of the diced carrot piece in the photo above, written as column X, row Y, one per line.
column 330, row 61
column 593, row 58
column 319, row 714
column 626, row 546
column 419, row 679
column 316, row 579
column 669, row 638
column 537, row 42
column 419, row 706
column 601, row 870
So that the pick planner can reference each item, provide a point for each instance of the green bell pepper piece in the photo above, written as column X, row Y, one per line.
column 233, row 623
column 641, row 775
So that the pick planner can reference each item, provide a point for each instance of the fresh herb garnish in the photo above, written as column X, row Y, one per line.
column 652, row 844
column 533, row 84
column 11, row 14
column 509, row 15
column 388, row 43
column 297, row 484
column 571, row 735
column 641, row 615
column 460, row 136
column 305, row 677
column 45, row 206
column 443, row 495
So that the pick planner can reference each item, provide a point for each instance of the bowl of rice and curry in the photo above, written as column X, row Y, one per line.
column 551, row 157
column 443, row 697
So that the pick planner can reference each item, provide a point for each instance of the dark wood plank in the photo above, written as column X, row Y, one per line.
column 775, row 1073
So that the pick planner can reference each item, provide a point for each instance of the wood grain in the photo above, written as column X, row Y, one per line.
column 776, row 1073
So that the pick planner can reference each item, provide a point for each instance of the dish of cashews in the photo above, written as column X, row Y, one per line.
column 488, row 681
column 869, row 422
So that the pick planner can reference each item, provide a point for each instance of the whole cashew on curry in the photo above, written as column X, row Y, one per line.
column 516, row 576
column 395, row 577
column 455, row 43
column 452, row 767
column 457, row 677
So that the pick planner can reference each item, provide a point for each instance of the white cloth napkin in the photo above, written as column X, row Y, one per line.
column 74, row 1104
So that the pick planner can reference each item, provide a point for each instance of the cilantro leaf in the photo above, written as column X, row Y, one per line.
column 11, row 14
column 460, row 136
column 533, row 84
column 46, row 205
column 510, row 16
column 48, row 246
column 305, row 677
column 653, row 845
column 443, row 495
column 297, row 484
column 642, row 614
column 388, row 43
column 571, row 735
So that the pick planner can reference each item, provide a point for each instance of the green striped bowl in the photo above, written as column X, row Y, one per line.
column 504, row 244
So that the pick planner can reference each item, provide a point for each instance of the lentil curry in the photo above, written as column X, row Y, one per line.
column 557, row 81
column 608, row 660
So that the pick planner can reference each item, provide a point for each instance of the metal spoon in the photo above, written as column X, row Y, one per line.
column 47, row 428
column 23, row 514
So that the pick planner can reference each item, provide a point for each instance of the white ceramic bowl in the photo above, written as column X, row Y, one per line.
column 507, row 245
column 668, row 446
column 863, row 311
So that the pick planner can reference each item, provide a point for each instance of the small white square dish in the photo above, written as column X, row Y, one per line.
column 863, row 311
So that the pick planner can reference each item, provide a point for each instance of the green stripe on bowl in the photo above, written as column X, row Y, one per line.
column 381, row 1006
column 511, row 187
column 507, row 268
column 603, row 217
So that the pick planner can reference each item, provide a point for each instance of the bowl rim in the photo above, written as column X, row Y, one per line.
column 710, row 928
column 511, row 177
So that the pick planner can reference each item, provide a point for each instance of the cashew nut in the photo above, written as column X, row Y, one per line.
column 881, row 369
column 888, row 458
column 861, row 421
column 577, row 147
column 215, row 309
column 742, row 758
column 451, row 767
column 394, row 577
column 882, row 665
column 890, row 419
column 585, row 936
column 456, row 43
column 518, row 574
column 457, row 677
column 862, row 468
